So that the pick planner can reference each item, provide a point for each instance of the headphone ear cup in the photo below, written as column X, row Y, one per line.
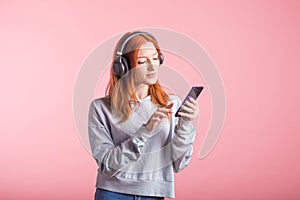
column 161, row 59
column 124, row 65
column 120, row 66
column 117, row 66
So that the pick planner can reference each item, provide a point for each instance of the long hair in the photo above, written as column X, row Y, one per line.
column 121, row 90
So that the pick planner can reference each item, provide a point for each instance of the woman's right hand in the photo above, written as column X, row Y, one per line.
column 157, row 117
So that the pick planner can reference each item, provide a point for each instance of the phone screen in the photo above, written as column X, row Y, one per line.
column 194, row 93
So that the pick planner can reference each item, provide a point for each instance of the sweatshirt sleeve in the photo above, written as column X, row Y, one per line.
column 113, row 158
column 182, row 143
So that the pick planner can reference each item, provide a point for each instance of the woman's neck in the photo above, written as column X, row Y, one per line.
column 142, row 91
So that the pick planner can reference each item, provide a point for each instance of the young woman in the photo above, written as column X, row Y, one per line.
column 135, row 138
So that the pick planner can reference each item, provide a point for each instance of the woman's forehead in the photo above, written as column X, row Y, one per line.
column 146, row 49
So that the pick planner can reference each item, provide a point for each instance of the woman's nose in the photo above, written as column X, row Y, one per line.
column 150, row 64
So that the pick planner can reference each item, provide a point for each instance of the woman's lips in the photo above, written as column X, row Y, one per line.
column 151, row 75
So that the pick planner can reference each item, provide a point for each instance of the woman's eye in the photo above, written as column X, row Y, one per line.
column 155, row 58
column 141, row 62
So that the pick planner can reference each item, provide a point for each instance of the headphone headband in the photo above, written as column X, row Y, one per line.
column 126, row 39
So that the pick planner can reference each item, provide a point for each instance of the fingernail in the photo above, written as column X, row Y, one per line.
column 170, row 105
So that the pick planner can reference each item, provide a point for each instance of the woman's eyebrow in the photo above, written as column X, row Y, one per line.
column 146, row 56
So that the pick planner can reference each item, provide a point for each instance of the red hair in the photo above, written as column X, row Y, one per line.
column 120, row 90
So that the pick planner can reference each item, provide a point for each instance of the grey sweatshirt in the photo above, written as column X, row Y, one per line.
column 133, row 160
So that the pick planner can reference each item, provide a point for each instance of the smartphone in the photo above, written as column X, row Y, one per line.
column 194, row 93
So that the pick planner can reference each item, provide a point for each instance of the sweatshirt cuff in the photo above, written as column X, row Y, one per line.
column 185, row 125
column 141, row 136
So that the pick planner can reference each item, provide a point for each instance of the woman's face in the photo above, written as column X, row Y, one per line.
column 146, row 70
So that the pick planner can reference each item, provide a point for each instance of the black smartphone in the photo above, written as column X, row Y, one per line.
column 194, row 92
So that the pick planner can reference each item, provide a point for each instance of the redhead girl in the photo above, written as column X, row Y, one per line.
column 135, row 138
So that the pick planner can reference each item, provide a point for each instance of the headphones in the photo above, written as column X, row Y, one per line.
column 121, row 65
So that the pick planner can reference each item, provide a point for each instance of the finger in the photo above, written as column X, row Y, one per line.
column 164, row 110
column 195, row 109
column 157, row 119
column 194, row 101
column 186, row 115
column 160, row 114
column 191, row 105
column 187, row 109
column 169, row 106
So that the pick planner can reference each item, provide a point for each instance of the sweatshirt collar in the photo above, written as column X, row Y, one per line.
column 144, row 99
column 147, row 98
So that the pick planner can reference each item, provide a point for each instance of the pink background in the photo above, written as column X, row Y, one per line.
column 255, row 45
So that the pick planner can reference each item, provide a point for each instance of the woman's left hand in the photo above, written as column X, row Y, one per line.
column 189, row 110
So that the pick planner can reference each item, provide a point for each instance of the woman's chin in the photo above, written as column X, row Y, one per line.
column 151, row 82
